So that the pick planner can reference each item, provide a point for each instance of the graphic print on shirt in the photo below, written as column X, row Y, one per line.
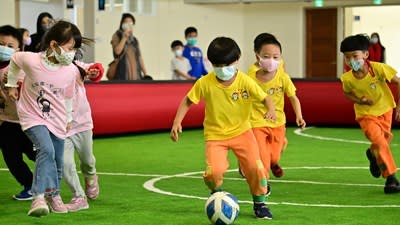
column 274, row 90
column 44, row 104
column 196, row 55
column 240, row 93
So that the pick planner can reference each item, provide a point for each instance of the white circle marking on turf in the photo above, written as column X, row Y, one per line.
column 299, row 131
column 150, row 186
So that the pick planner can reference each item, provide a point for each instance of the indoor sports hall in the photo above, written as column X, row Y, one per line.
column 145, row 178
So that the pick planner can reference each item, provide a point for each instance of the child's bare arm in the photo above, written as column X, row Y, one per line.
column 183, row 108
column 396, row 80
column 269, row 104
column 297, row 110
column 362, row 101
column 184, row 75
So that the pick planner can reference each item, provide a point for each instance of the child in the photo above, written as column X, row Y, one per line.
column 228, row 94
column 45, row 108
column 194, row 54
column 366, row 85
column 79, row 137
column 276, row 83
column 180, row 65
column 27, row 40
column 13, row 141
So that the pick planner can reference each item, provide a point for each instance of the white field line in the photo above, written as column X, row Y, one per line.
column 300, row 131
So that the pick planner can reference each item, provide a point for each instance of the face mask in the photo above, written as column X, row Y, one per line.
column 45, row 27
column 356, row 64
column 225, row 73
column 374, row 40
column 192, row 41
column 178, row 53
column 127, row 26
column 64, row 58
column 6, row 53
column 27, row 41
column 268, row 65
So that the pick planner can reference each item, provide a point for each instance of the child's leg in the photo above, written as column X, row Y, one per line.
column 263, row 137
column 217, row 164
column 46, row 178
column 376, row 130
column 84, row 147
column 277, row 144
column 71, row 177
column 246, row 150
column 14, row 143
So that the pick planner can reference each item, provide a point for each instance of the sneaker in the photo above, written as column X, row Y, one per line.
column 392, row 185
column 277, row 170
column 24, row 195
column 39, row 207
column 76, row 204
column 56, row 204
column 373, row 166
column 261, row 211
column 92, row 187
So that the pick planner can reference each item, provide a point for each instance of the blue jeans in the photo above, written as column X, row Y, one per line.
column 49, row 161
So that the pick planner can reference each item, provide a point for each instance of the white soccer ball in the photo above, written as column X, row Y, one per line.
column 222, row 208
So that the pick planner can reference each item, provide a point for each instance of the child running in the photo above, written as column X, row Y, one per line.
column 366, row 86
column 228, row 94
column 13, row 141
column 79, row 138
column 44, row 107
column 272, row 78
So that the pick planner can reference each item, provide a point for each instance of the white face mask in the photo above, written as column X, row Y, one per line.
column 226, row 72
column 374, row 40
column 127, row 26
column 64, row 58
column 178, row 53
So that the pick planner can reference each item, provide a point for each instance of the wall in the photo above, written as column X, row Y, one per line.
column 374, row 20
column 7, row 12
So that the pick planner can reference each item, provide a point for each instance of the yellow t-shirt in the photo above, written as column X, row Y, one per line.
column 276, row 88
column 373, row 86
column 227, row 110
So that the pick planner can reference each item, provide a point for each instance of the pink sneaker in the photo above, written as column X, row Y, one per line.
column 92, row 187
column 56, row 204
column 39, row 207
column 76, row 204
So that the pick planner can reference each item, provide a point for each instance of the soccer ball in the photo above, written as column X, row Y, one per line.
column 222, row 208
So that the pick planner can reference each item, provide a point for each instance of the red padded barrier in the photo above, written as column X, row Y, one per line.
column 136, row 107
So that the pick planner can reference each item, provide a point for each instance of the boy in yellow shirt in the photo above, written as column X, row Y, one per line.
column 229, row 94
column 366, row 85
column 272, row 78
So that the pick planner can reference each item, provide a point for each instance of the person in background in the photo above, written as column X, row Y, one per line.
column 43, row 24
column 194, row 54
column 376, row 50
column 180, row 65
column 26, row 38
column 126, row 47
column 13, row 141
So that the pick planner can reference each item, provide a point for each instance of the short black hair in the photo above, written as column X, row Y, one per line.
column 190, row 30
column 8, row 30
column 176, row 43
column 357, row 42
column 264, row 39
column 223, row 51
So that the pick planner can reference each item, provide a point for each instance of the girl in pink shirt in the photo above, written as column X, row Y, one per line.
column 44, row 107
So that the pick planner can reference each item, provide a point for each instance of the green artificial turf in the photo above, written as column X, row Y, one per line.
column 325, row 182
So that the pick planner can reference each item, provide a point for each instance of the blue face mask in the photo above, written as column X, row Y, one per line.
column 225, row 73
column 6, row 53
column 192, row 41
column 356, row 64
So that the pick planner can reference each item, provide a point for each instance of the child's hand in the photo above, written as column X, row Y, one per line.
column 69, row 125
column 300, row 122
column 92, row 73
column 270, row 115
column 5, row 78
column 176, row 129
column 397, row 115
column 365, row 101
column 13, row 93
column 95, row 72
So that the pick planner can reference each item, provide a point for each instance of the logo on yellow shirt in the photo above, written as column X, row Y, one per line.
column 240, row 93
column 275, row 90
